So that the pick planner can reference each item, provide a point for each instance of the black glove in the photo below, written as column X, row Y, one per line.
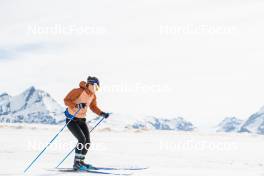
column 81, row 106
column 105, row 115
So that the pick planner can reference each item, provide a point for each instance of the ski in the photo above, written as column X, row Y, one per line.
column 120, row 168
column 94, row 171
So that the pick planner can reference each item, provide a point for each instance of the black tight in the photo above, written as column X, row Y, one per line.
column 79, row 129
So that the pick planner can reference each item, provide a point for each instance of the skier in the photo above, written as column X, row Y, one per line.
column 82, row 98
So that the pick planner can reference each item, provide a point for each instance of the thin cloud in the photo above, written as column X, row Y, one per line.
column 5, row 54
column 15, row 51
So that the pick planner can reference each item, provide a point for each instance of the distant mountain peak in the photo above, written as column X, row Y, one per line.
column 30, row 89
column 261, row 110
column 4, row 94
column 176, row 124
column 255, row 123
column 229, row 124
column 31, row 106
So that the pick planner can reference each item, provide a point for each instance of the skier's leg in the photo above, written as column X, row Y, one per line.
column 75, row 129
column 86, row 133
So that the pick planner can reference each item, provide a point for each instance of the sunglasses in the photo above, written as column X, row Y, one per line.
column 96, row 87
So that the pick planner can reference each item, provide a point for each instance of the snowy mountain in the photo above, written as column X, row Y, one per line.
column 229, row 124
column 121, row 122
column 37, row 106
column 31, row 106
column 177, row 124
column 4, row 103
column 255, row 123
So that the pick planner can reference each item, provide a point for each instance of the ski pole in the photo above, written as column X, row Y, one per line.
column 74, row 147
column 50, row 142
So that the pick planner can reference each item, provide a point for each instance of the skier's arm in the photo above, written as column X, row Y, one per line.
column 70, row 98
column 94, row 108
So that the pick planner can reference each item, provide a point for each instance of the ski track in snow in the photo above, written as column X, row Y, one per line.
column 162, row 151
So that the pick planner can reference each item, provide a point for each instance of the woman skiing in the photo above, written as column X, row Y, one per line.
column 78, row 100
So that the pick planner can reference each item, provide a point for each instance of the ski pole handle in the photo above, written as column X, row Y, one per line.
column 99, row 122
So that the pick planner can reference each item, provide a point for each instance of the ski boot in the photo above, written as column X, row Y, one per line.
column 88, row 166
column 77, row 166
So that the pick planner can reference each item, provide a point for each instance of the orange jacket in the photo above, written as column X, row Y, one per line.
column 81, row 95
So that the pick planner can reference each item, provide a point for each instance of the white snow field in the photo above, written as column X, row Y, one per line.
column 165, row 153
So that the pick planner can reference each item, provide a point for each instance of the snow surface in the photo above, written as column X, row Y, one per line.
column 166, row 153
